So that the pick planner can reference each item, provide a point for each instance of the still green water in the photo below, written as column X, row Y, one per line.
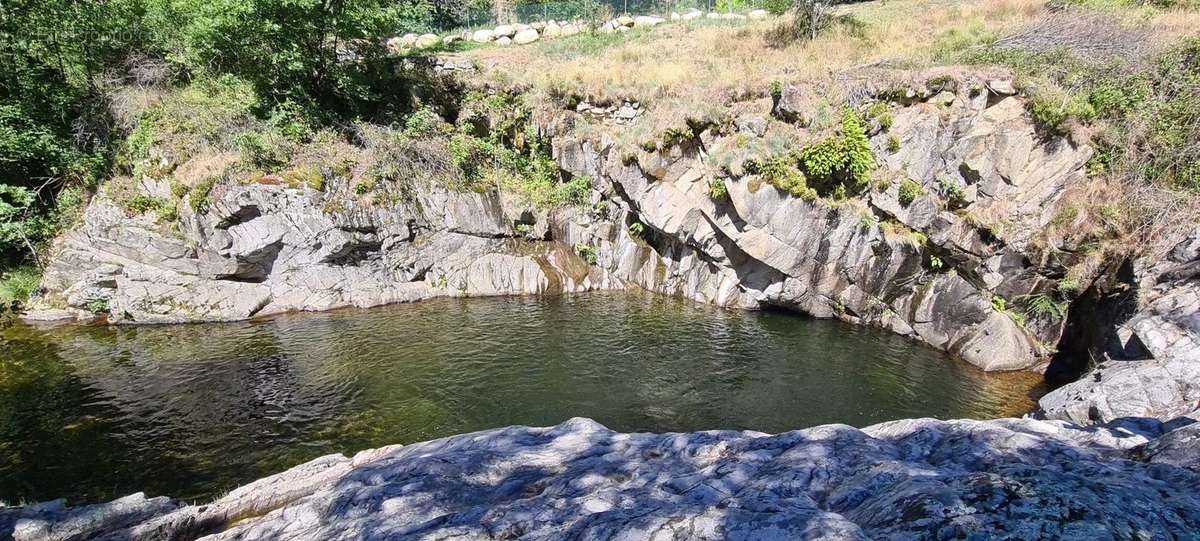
column 92, row 412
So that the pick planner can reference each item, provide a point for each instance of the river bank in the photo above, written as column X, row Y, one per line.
column 902, row 479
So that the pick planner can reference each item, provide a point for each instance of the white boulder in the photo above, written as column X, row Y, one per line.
column 395, row 46
column 525, row 36
column 757, row 14
column 482, row 36
column 504, row 40
column 504, row 31
column 645, row 21
column 552, row 30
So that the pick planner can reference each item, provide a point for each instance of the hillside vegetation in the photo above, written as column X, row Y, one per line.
column 195, row 94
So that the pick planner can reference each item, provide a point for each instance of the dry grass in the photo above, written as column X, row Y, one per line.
column 708, row 71
column 698, row 69
column 707, row 61
column 702, row 65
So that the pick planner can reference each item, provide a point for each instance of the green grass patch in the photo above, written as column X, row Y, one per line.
column 17, row 284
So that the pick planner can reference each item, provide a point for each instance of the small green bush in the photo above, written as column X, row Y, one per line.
column 574, row 192
column 999, row 303
column 1043, row 305
column 424, row 122
column 1108, row 99
column 179, row 190
column 261, row 151
column 163, row 209
column 289, row 121
column 880, row 112
column 845, row 160
column 824, row 158
column 909, row 191
column 782, row 173
column 637, row 229
column 676, row 136
column 17, row 284
column 97, row 306
column 199, row 199
column 587, row 252
column 954, row 195
column 141, row 204
column 364, row 187
column 1069, row 286
column 717, row 190
column 1065, row 216
column 777, row 7
column 1051, row 112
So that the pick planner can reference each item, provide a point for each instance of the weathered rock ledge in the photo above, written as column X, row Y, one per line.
column 910, row 479
column 918, row 265
column 976, row 230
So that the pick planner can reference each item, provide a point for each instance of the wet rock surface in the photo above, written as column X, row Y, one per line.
column 910, row 479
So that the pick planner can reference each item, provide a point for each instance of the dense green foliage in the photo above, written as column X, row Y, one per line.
column 316, row 60
column 837, row 166
column 496, row 144
column 54, row 130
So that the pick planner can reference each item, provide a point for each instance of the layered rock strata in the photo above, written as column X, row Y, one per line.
column 917, row 265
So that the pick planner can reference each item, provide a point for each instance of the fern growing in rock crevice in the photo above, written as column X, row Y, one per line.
column 838, row 166
column 1043, row 305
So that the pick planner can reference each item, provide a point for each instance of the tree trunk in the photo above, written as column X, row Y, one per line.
column 501, row 11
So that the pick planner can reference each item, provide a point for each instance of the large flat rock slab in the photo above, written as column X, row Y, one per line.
column 908, row 479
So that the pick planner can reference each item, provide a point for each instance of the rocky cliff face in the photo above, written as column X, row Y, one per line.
column 267, row 249
column 951, row 234
column 914, row 479
column 952, row 229
column 930, row 263
column 1149, row 352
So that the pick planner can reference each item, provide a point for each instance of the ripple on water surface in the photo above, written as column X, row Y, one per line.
column 95, row 412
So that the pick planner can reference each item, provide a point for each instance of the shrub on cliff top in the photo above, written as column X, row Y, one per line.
column 810, row 18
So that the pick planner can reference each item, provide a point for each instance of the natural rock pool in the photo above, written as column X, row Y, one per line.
column 91, row 412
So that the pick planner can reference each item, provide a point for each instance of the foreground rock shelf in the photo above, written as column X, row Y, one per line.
column 909, row 479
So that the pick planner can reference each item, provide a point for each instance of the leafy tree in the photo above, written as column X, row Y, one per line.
column 54, row 129
column 323, row 55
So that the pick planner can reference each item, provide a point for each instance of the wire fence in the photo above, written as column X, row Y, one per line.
column 483, row 14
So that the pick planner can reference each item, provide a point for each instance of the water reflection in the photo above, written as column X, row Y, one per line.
column 95, row 412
